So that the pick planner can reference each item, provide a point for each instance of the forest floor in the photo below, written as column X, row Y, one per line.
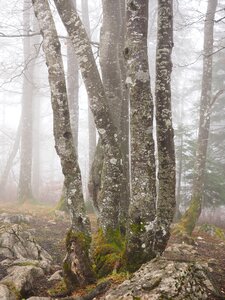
column 50, row 231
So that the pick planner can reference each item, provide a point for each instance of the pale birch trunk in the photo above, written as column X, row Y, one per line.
column 98, row 103
column 142, row 212
column 77, row 266
column 189, row 219
column 25, row 187
column 164, row 129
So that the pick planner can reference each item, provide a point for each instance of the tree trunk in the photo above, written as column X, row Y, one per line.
column 91, row 123
column 99, row 106
column 36, row 128
column 143, row 175
column 25, row 187
column 77, row 266
column 9, row 162
column 73, row 91
column 110, row 62
column 124, row 119
column 189, row 219
column 166, row 201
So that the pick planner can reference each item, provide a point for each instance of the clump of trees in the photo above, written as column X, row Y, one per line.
column 130, row 207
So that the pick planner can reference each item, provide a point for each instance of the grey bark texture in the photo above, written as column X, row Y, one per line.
column 77, row 266
column 98, row 103
column 73, row 91
column 111, row 43
column 36, row 172
column 166, row 157
column 191, row 216
column 25, row 187
column 142, row 209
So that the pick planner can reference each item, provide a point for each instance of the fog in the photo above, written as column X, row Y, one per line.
column 186, row 91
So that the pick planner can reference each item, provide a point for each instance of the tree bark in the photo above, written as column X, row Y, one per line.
column 98, row 103
column 73, row 91
column 77, row 266
column 189, row 219
column 25, row 187
column 111, row 64
column 165, row 136
column 36, row 172
column 142, row 211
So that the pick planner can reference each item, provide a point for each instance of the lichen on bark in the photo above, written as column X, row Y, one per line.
column 142, row 210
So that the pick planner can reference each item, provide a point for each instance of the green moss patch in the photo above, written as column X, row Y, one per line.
column 108, row 252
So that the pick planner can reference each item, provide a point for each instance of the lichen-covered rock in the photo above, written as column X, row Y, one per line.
column 165, row 279
column 58, row 275
column 6, row 294
column 181, row 251
column 20, row 246
column 23, row 277
column 15, row 219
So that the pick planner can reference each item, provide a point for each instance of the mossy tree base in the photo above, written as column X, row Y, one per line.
column 185, row 227
column 62, row 205
column 77, row 266
column 108, row 252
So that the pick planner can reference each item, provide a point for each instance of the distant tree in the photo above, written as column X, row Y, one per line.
column 10, row 160
column 189, row 219
column 25, row 177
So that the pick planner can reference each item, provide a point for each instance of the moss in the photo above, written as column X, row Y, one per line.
column 83, row 239
column 213, row 231
column 187, row 223
column 78, row 246
column 59, row 288
column 10, row 285
column 108, row 252
column 27, row 263
column 62, row 205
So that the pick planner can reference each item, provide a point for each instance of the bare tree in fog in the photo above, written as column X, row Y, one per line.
column 189, row 219
column 30, row 52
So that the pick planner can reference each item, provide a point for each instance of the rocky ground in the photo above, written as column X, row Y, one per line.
column 32, row 250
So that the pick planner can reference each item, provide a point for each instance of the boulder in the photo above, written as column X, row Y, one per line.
column 58, row 275
column 23, row 277
column 165, row 279
column 19, row 246
column 15, row 219
column 6, row 294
